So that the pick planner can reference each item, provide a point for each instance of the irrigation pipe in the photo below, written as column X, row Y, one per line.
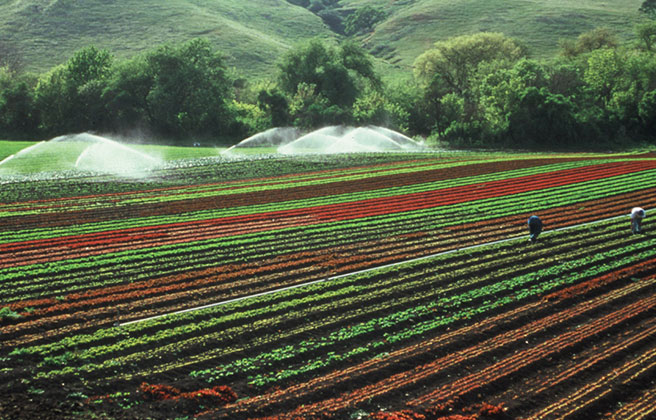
column 296, row 286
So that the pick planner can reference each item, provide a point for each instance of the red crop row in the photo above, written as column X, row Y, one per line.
column 326, row 213
column 295, row 193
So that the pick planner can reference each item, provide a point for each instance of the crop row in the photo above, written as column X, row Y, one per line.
column 289, row 196
column 420, row 240
column 577, row 192
column 112, row 301
column 166, row 342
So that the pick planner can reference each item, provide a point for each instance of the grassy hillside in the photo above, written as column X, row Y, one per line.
column 414, row 25
column 254, row 33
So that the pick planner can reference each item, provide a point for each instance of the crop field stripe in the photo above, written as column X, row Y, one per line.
column 331, row 174
column 404, row 378
column 286, row 181
column 376, row 178
column 50, row 270
column 638, row 367
column 473, row 247
column 112, row 291
column 44, row 301
column 353, row 308
column 643, row 407
column 151, row 353
column 154, row 237
column 527, row 357
column 342, row 199
column 402, row 355
column 497, row 370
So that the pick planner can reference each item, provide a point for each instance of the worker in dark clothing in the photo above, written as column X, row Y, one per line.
column 637, row 214
column 534, row 228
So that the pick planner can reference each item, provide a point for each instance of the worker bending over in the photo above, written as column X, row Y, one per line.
column 534, row 228
column 637, row 214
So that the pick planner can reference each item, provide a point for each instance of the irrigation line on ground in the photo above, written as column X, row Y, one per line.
column 269, row 292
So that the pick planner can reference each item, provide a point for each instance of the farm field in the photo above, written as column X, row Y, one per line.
column 373, row 286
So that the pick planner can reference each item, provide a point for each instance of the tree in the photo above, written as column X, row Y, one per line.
column 648, row 7
column 647, row 110
column 126, row 95
column 190, row 91
column 337, row 74
column 310, row 109
column 17, row 115
column 456, row 60
column 374, row 108
column 87, row 72
column 542, row 120
column 604, row 68
column 595, row 39
column 69, row 97
column 275, row 103
column 646, row 32
column 500, row 91
column 333, row 19
column 363, row 20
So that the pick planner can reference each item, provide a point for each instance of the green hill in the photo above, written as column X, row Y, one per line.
column 252, row 34
column 414, row 25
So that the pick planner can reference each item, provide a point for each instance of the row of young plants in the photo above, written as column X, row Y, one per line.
column 328, row 340
column 270, row 373
column 169, row 224
column 202, row 171
column 379, row 372
column 196, row 190
column 479, row 210
column 536, row 288
column 566, row 338
column 432, row 375
column 135, row 295
column 76, row 274
column 332, row 198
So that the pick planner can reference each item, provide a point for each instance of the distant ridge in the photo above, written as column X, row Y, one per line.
column 253, row 34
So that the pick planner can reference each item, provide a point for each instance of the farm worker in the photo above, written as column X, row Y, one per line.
column 637, row 214
column 534, row 227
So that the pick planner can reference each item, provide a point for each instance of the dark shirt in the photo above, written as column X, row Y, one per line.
column 535, row 224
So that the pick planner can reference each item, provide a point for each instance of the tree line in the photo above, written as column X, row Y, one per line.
column 480, row 90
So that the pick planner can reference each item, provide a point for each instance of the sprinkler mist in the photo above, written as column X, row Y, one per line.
column 79, row 153
column 108, row 156
column 341, row 139
column 327, row 140
column 266, row 140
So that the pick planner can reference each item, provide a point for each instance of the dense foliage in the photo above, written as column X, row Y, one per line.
column 480, row 90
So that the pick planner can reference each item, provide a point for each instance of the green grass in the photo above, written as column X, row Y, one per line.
column 62, row 156
column 413, row 26
column 8, row 148
column 251, row 34
column 254, row 34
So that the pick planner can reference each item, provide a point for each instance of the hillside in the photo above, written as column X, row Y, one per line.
column 253, row 34
column 414, row 25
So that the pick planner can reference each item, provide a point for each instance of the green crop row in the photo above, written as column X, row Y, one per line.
column 386, row 322
column 218, row 250
column 287, row 205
